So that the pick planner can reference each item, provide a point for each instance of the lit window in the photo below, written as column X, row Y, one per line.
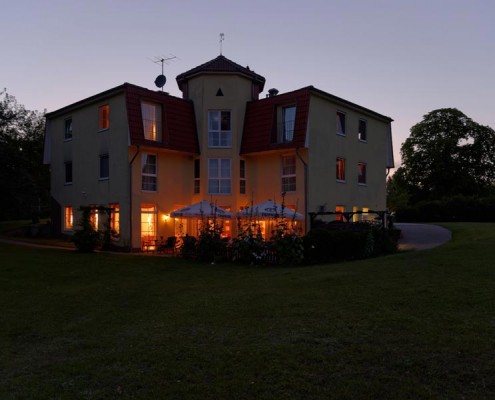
column 288, row 174
column 219, row 129
column 103, row 117
column 152, row 121
column 148, row 222
column 288, row 120
column 340, row 168
column 340, row 123
column 219, row 177
column 242, row 177
column 362, row 130
column 68, row 129
column 93, row 218
column 68, row 218
column 362, row 173
column 68, row 173
column 197, row 175
column 115, row 219
column 149, row 172
column 339, row 210
column 104, row 166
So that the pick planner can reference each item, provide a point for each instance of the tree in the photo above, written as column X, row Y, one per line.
column 446, row 154
column 24, row 179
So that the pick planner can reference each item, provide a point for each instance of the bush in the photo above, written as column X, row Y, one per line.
column 86, row 238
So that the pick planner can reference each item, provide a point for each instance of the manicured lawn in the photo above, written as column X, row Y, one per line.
column 416, row 325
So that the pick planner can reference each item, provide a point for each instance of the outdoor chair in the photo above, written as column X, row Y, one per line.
column 168, row 247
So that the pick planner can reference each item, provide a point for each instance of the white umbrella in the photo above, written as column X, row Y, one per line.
column 269, row 209
column 202, row 209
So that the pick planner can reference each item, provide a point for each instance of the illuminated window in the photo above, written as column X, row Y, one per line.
column 68, row 218
column 93, row 218
column 340, row 123
column 226, row 225
column 103, row 117
column 288, row 173
column 340, row 169
column 115, row 219
column 152, row 121
column 242, row 177
column 339, row 209
column 148, row 222
column 68, row 129
column 149, row 172
column 362, row 130
column 362, row 173
column 219, row 129
column 68, row 173
column 104, row 166
column 219, row 176
column 197, row 182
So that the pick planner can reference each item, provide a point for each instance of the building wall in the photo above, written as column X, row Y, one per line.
column 325, row 145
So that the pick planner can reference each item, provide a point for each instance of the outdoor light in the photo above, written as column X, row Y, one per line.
column 166, row 217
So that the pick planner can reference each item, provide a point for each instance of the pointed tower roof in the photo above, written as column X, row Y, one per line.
column 221, row 65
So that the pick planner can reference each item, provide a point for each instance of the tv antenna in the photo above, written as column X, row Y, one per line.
column 222, row 37
column 161, row 79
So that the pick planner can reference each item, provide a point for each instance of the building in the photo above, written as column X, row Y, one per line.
column 145, row 153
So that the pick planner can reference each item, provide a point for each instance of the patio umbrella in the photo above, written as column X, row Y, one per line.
column 269, row 209
column 202, row 209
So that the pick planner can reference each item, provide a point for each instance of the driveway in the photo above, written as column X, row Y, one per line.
column 422, row 236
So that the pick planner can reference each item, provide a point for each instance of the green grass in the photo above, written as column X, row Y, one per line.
column 416, row 325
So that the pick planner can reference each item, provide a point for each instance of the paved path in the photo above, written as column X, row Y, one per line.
column 422, row 236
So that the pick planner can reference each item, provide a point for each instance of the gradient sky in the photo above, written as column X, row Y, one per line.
column 399, row 58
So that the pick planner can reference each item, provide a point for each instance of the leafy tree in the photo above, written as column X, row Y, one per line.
column 24, row 179
column 446, row 154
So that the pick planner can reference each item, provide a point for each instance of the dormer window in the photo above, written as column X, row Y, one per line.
column 152, row 121
column 219, row 129
column 285, row 127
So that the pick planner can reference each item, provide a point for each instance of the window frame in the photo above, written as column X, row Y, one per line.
column 340, row 177
column 144, row 158
column 68, row 129
column 284, row 136
column 288, row 180
column 360, row 137
column 103, row 117
column 105, row 157
column 226, row 134
column 157, row 123
column 361, row 181
column 219, row 178
column 341, row 123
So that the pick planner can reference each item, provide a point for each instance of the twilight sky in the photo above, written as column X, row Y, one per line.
column 401, row 58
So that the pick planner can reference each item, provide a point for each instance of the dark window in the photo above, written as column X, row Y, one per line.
column 197, row 176
column 288, row 120
column 362, row 130
column 340, row 123
column 103, row 117
column 340, row 169
column 362, row 173
column 68, row 129
column 242, row 175
column 104, row 166
column 68, row 172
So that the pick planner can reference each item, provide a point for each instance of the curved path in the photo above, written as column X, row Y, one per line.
column 422, row 236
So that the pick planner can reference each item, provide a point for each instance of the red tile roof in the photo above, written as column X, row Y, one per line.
column 260, row 124
column 178, row 120
column 219, row 65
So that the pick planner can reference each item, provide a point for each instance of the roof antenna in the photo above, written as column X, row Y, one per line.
column 222, row 37
column 161, row 79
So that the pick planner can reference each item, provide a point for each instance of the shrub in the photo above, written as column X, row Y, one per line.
column 86, row 237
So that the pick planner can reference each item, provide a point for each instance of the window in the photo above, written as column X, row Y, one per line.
column 104, row 166
column 288, row 119
column 103, row 117
column 68, row 129
column 288, row 173
column 362, row 173
column 340, row 123
column 362, row 130
column 93, row 218
column 242, row 176
column 340, row 170
column 148, row 222
column 219, row 129
column 149, row 175
column 68, row 173
column 115, row 220
column 152, row 121
column 219, row 180
column 68, row 218
column 197, row 180
column 339, row 209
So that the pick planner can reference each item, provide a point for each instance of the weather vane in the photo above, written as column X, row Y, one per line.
column 222, row 37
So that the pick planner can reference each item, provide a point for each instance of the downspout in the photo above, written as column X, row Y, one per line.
column 130, row 193
column 305, row 190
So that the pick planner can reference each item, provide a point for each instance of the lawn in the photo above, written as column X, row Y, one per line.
column 415, row 325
